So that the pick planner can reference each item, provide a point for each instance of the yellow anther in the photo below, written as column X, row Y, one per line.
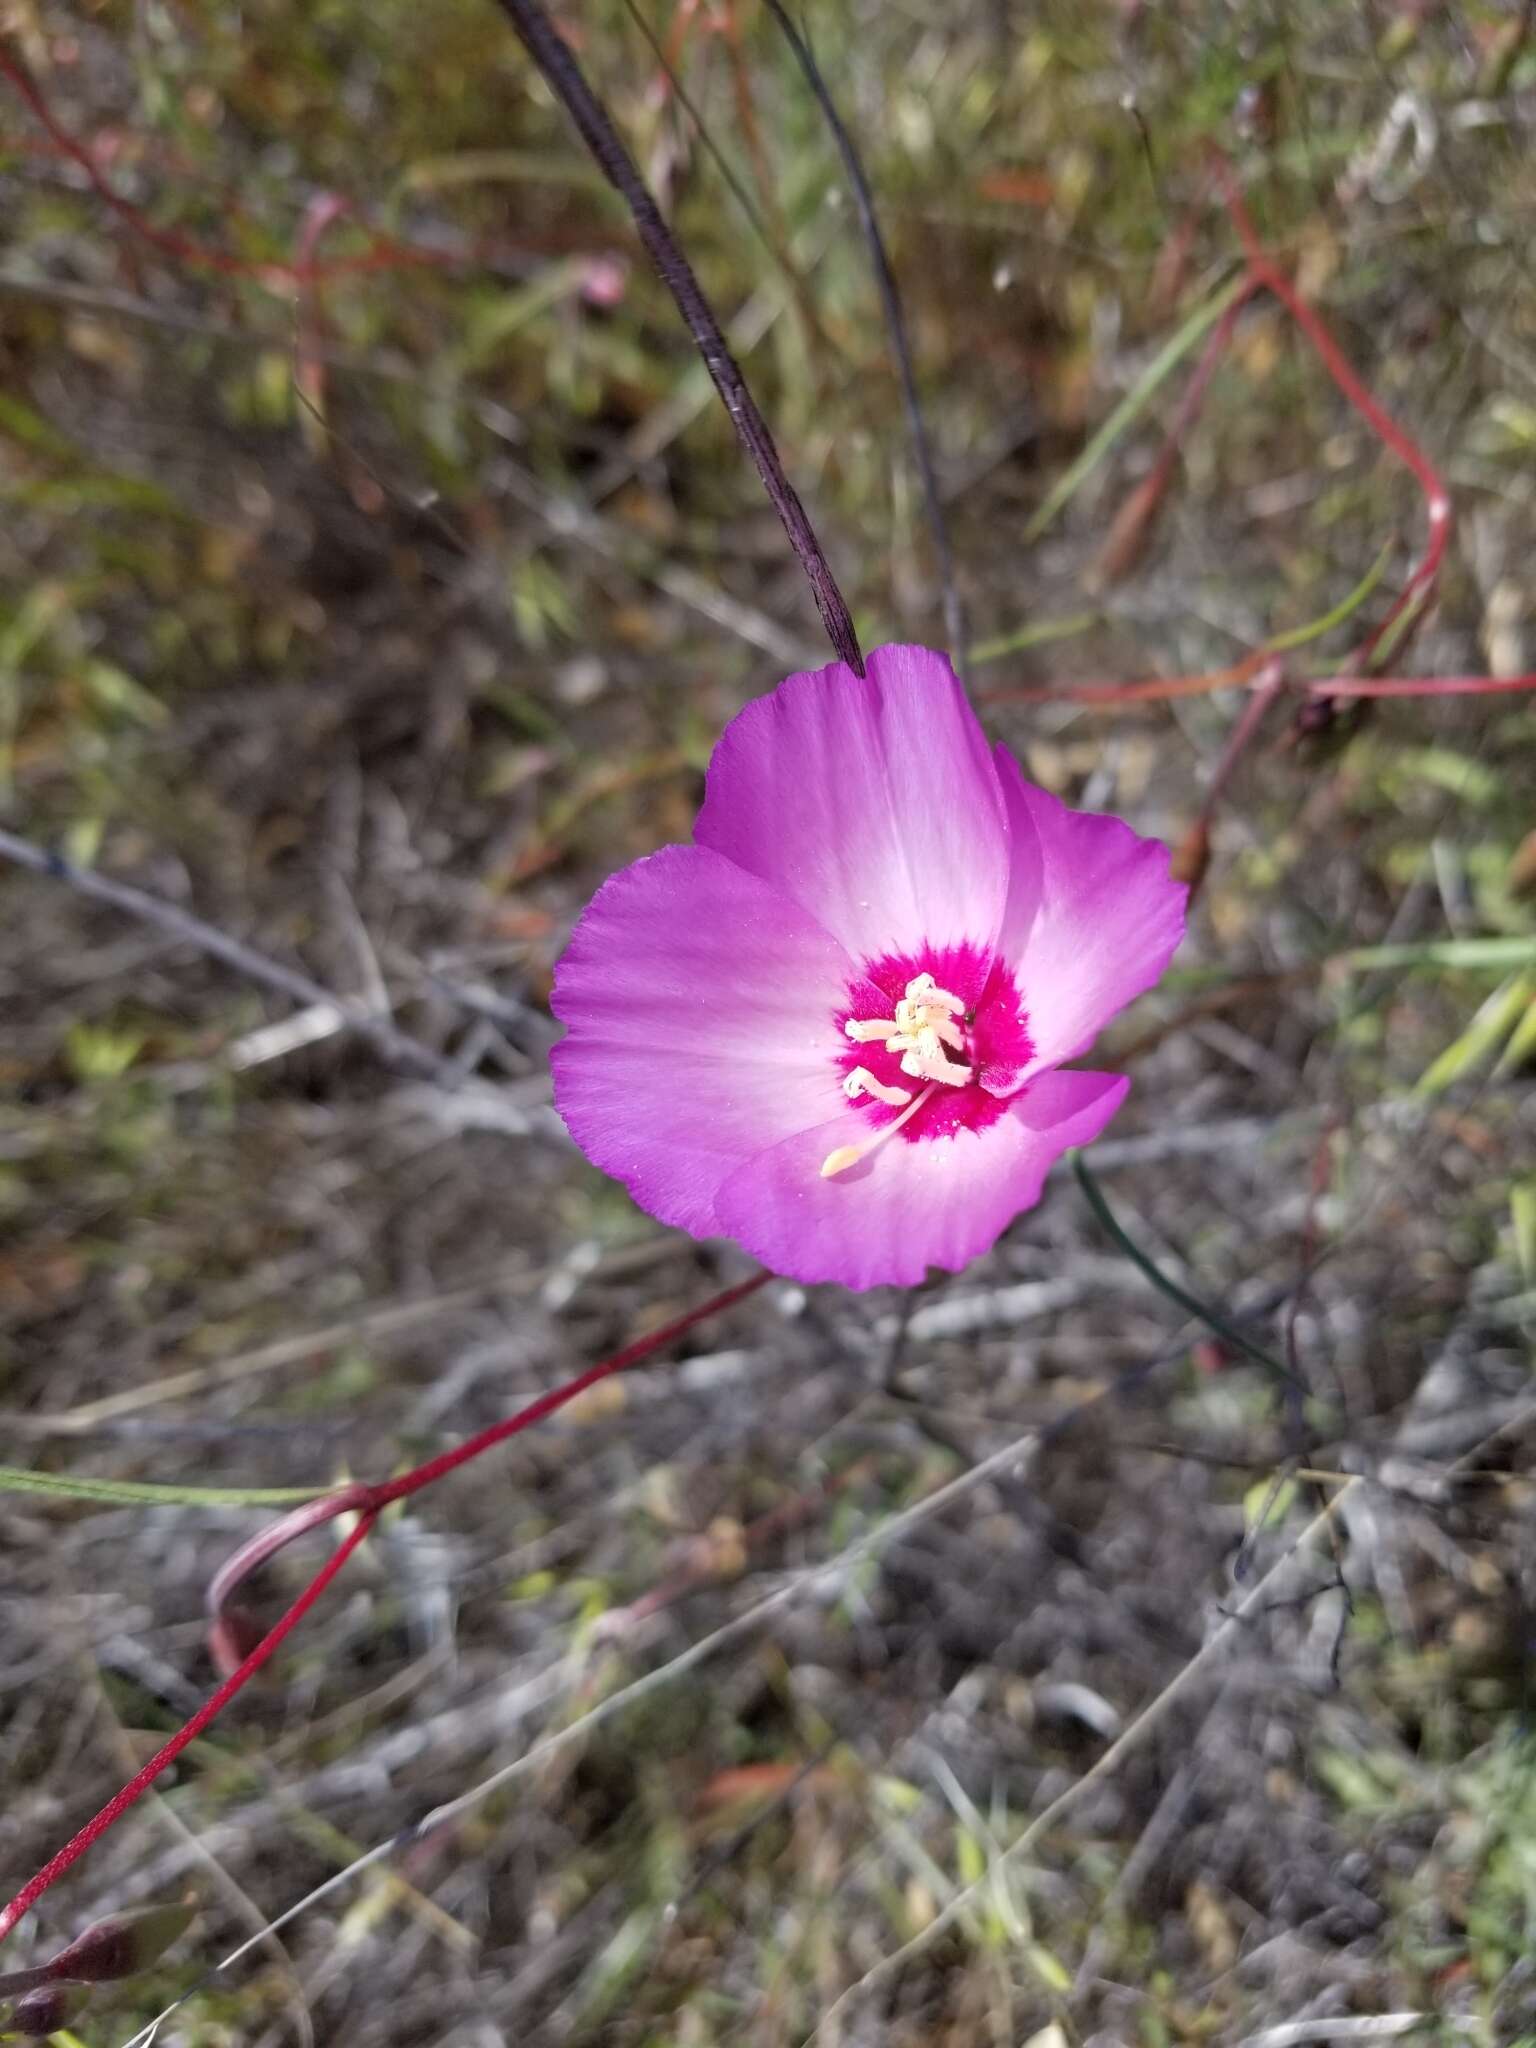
column 850, row 1155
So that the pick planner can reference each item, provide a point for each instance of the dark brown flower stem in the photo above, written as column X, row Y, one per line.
column 567, row 81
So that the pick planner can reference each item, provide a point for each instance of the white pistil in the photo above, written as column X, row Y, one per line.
column 850, row 1155
column 924, row 1024
column 862, row 1082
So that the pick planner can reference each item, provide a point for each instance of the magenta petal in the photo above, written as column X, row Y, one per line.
column 1026, row 863
column 699, row 1008
column 872, row 802
column 909, row 1206
column 1069, row 1107
column 1108, row 919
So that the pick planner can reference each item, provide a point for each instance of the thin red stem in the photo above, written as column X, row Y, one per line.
column 1192, row 857
column 1246, row 674
column 323, row 211
column 1419, row 686
column 1128, row 530
column 546, row 1404
column 1267, row 686
column 367, row 1501
column 1437, row 503
column 1263, row 273
column 211, row 1708
column 276, row 1536
column 383, row 255
column 1150, row 690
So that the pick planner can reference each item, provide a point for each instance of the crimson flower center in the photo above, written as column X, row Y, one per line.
column 927, row 1032
column 931, row 1043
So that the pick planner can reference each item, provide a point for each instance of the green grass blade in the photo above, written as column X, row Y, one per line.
column 1298, row 636
column 1456, row 953
column 1128, row 411
column 1489, row 1029
column 136, row 1493
column 1038, row 635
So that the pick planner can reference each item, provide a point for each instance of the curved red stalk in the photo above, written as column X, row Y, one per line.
column 366, row 1501
column 1249, row 674
column 1419, row 686
column 1255, row 670
column 211, row 1708
column 322, row 212
column 1437, row 503
column 546, row 1404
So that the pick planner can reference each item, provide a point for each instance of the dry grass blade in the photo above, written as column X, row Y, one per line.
column 1271, row 1586
column 1012, row 1459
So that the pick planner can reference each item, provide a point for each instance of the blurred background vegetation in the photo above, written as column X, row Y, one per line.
column 377, row 570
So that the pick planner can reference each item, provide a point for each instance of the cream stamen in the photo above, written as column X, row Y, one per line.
column 850, row 1155
column 923, row 1027
column 862, row 1082
column 926, row 1062
column 923, row 989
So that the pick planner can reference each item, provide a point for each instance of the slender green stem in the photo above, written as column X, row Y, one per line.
column 1298, row 636
column 1212, row 1317
column 132, row 1493
column 1038, row 635
column 1470, row 953
column 1135, row 401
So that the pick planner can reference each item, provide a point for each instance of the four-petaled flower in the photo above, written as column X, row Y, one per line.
column 833, row 1028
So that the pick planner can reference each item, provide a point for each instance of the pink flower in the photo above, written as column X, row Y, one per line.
column 833, row 1028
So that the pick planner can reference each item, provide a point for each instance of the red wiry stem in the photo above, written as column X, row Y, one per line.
column 163, row 1758
column 1150, row 690
column 1267, row 686
column 1246, row 673
column 1437, row 504
column 224, row 1640
column 546, row 1404
column 323, row 211
column 1419, row 686
column 1254, row 671
column 1192, row 855
column 367, row 1502
column 384, row 254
